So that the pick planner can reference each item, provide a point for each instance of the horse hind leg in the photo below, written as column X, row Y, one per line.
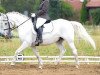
column 70, row 40
column 74, row 50
column 61, row 48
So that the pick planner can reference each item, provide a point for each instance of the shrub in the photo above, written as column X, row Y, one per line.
column 54, row 9
column 2, row 9
column 60, row 9
column 84, row 13
column 95, row 13
column 66, row 10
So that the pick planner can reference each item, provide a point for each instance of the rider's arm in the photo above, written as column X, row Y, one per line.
column 43, row 9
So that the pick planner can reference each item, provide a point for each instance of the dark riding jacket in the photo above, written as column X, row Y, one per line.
column 43, row 9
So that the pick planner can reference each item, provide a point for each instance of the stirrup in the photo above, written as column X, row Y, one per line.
column 37, row 42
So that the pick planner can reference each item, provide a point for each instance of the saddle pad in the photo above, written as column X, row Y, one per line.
column 48, row 27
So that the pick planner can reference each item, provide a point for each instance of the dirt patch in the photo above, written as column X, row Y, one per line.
column 62, row 69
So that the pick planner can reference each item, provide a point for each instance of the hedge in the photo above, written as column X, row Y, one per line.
column 84, row 12
column 2, row 9
column 95, row 13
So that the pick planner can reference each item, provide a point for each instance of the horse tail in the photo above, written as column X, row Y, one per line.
column 81, row 32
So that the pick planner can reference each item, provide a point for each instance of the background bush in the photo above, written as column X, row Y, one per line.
column 95, row 13
column 54, row 9
column 2, row 9
column 66, row 10
column 84, row 12
column 18, row 5
column 60, row 9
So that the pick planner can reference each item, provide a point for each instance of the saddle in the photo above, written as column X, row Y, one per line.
column 48, row 21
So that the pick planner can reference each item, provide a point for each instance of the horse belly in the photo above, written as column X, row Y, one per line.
column 50, row 40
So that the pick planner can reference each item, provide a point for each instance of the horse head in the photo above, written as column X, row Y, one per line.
column 5, row 25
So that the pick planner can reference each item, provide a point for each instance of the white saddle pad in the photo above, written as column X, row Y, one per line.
column 48, row 28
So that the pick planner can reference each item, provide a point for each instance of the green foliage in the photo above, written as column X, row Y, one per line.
column 66, row 10
column 95, row 13
column 57, row 8
column 54, row 9
column 36, row 4
column 84, row 12
column 60, row 9
column 18, row 5
column 2, row 9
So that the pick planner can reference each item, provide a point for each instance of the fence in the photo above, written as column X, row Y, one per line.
column 50, row 59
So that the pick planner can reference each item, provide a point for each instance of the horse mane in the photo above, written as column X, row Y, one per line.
column 18, row 14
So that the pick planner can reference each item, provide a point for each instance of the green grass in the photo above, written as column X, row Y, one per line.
column 9, row 47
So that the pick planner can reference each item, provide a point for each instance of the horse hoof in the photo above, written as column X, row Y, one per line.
column 57, row 63
column 40, row 67
column 77, row 66
column 12, row 64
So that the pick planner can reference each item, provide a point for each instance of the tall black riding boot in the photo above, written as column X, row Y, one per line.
column 39, row 36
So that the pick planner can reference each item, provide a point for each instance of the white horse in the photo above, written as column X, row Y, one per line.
column 54, row 32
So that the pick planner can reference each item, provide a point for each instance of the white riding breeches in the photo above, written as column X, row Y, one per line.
column 40, row 22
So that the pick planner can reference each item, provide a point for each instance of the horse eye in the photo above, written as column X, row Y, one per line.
column 5, row 23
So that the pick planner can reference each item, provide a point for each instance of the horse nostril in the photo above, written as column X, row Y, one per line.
column 6, row 37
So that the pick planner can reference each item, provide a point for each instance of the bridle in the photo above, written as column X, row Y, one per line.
column 9, row 28
column 8, row 23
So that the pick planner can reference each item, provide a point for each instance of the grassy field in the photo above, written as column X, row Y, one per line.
column 9, row 47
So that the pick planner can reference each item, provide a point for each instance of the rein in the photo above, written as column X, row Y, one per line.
column 20, row 24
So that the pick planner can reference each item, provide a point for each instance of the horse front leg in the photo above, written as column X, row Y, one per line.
column 20, row 49
column 36, row 52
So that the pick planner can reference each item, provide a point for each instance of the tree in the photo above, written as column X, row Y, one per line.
column 66, row 10
column 60, row 9
column 95, row 13
column 36, row 5
column 57, row 8
column 2, row 9
column 84, row 12
column 54, row 9
column 19, row 5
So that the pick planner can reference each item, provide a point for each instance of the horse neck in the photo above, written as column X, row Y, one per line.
column 18, row 20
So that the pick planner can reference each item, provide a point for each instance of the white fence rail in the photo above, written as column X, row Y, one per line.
column 51, row 59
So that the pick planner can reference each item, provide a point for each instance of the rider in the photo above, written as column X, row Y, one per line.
column 40, row 18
